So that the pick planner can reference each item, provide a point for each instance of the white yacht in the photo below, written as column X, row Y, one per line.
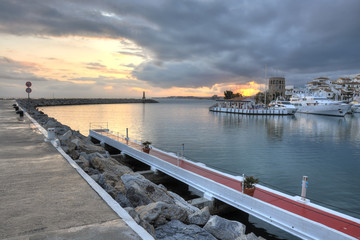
column 320, row 106
column 283, row 105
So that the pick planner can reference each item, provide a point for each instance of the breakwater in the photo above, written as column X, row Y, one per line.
column 78, row 101
column 161, row 212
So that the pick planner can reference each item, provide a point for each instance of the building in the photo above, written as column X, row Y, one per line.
column 276, row 88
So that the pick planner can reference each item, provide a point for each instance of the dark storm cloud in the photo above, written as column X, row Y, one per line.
column 199, row 43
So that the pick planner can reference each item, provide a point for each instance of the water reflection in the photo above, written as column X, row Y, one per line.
column 277, row 149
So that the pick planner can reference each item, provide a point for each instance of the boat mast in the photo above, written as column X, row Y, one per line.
column 265, row 85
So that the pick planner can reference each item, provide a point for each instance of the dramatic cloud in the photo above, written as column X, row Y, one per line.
column 200, row 43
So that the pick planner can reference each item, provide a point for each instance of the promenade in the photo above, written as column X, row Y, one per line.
column 41, row 195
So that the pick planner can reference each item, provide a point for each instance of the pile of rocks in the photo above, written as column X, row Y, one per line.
column 164, row 214
column 80, row 101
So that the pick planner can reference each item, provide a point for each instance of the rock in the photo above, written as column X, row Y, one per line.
column 51, row 123
column 123, row 201
column 86, row 147
column 82, row 162
column 147, row 226
column 250, row 236
column 73, row 154
column 176, row 230
column 70, row 146
column 141, row 191
column 66, row 136
column 224, row 229
column 131, row 211
column 183, row 204
column 110, row 165
column 200, row 217
column 159, row 213
column 91, row 171
column 96, row 177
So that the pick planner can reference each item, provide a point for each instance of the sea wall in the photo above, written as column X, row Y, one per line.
column 164, row 214
column 78, row 101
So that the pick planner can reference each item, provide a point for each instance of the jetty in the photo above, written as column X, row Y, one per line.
column 293, row 214
column 43, row 194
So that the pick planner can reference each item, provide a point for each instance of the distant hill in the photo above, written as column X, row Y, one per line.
column 192, row 97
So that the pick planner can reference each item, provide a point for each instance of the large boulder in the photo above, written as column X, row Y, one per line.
column 224, row 229
column 176, row 230
column 147, row 226
column 51, row 123
column 159, row 213
column 141, row 191
column 82, row 162
column 183, row 204
column 66, row 136
column 86, row 147
column 110, row 166
column 250, row 236
column 200, row 217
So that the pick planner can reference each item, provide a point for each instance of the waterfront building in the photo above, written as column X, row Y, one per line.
column 276, row 87
column 342, row 89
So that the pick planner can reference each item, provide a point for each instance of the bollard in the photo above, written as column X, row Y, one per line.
column 21, row 113
column 51, row 133
column 304, row 185
column 127, row 134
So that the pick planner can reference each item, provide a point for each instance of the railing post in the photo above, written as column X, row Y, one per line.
column 182, row 150
column 304, row 185
column 242, row 183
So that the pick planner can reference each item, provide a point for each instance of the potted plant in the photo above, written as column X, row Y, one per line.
column 146, row 146
column 249, row 185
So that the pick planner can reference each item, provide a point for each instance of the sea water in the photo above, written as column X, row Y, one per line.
column 278, row 150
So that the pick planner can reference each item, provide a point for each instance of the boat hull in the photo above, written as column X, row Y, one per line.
column 254, row 111
column 328, row 110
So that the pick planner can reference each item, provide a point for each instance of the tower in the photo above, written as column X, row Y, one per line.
column 276, row 87
column 143, row 98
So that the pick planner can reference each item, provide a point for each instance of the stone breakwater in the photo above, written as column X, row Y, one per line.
column 79, row 101
column 164, row 214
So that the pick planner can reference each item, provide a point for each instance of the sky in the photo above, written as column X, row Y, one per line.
column 120, row 48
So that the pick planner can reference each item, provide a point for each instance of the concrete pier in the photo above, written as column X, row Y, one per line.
column 41, row 195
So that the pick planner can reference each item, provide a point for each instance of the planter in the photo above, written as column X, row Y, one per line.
column 146, row 150
column 249, row 191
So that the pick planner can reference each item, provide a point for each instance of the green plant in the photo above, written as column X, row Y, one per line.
column 146, row 145
column 250, row 181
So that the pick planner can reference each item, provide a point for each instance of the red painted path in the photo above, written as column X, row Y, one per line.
column 333, row 221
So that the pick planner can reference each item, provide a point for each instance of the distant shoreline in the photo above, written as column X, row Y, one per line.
column 79, row 101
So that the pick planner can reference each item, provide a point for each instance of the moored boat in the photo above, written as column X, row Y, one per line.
column 250, row 108
column 320, row 106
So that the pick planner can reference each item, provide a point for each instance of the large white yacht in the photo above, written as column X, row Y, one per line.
column 320, row 106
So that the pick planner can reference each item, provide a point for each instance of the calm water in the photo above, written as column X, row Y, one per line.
column 278, row 150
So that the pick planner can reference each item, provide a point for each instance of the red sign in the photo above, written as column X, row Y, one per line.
column 28, row 90
column 28, row 84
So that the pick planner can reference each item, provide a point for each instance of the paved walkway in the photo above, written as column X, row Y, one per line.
column 41, row 195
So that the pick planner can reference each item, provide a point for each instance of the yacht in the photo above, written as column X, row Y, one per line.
column 320, row 106
column 286, row 106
